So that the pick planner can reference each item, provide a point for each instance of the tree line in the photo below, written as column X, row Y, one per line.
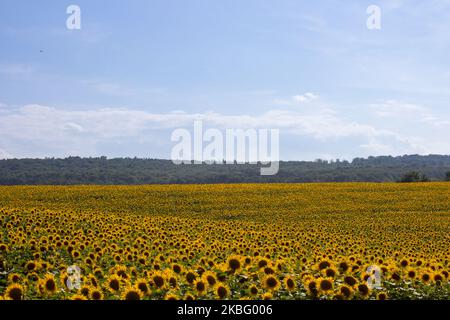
column 101, row 170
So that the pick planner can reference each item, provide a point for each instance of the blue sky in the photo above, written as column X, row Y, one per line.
column 136, row 71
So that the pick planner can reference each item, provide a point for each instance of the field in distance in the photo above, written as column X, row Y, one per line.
column 256, row 241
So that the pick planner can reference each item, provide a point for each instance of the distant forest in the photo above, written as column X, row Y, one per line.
column 76, row 170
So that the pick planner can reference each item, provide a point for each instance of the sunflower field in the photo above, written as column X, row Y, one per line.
column 235, row 241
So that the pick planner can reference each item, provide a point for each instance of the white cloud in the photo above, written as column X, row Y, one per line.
column 307, row 97
column 393, row 108
column 73, row 126
column 399, row 110
column 400, row 145
column 282, row 102
column 303, row 98
column 5, row 155
column 79, row 132
column 36, row 130
column 377, row 148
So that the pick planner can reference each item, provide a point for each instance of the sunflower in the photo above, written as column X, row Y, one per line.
column 269, row 270
column 210, row 278
column 33, row 276
column 31, row 266
column 173, row 281
column 133, row 272
column 330, row 272
column 63, row 280
column 404, row 263
column 190, row 277
column 14, row 292
column 312, row 287
column 346, row 291
column 142, row 285
column 85, row 290
column 76, row 254
column 121, row 271
column 92, row 280
column 78, row 297
column 438, row 278
column 395, row 275
column 365, row 276
column 267, row 296
column 130, row 257
column 3, row 247
column 14, row 278
column 158, row 280
column 131, row 293
column 324, row 264
column 49, row 284
column 234, row 263
column 88, row 261
column 113, row 283
column 142, row 260
column 363, row 290
column 170, row 296
column 98, row 273
column 425, row 277
column 289, row 283
column 177, row 268
column 262, row 263
column 200, row 287
column 325, row 285
column 271, row 283
column 211, row 263
column 279, row 265
column 343, row 267
column 350, row 280
column 253, row 291
column 221, row 291
column 117, row 258
column 411, row 273
column 44, row 265
column 382, row 296
column 188, row 296
column 96, row 294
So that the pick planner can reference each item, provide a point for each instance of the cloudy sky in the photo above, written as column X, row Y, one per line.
column 312, row 69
